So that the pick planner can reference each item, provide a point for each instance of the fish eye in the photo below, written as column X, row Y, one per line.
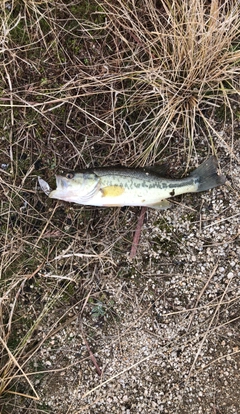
column 69, row 175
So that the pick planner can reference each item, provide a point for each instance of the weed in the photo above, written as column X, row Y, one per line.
column 175, row 61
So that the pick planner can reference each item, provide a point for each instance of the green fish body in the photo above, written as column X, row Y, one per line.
column 111, row 187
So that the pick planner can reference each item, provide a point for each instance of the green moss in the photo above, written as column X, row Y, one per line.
column 19, row 35
column 223, row 113
column 88, row 10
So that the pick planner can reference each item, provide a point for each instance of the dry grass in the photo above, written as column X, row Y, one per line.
column 175, row 60
column 137, row 79
column 99, row 83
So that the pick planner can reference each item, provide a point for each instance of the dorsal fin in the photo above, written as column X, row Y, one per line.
column 161, row 170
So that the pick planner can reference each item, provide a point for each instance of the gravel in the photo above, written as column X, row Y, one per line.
column 167, row 340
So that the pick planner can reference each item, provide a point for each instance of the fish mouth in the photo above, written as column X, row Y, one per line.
column 61, row 182
column 61, row 191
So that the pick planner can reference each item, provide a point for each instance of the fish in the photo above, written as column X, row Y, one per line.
column 120, row 186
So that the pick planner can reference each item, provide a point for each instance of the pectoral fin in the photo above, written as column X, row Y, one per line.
column 112, row 191
column 161, row 205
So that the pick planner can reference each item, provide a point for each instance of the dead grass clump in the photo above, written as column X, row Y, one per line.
column 176, row 60
column 127, row 81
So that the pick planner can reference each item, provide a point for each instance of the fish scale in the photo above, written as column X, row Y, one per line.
column 114, row 186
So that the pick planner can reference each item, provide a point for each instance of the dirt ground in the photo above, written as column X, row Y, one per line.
column 84, row 328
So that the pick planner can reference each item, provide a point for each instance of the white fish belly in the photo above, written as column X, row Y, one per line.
column 135, row 197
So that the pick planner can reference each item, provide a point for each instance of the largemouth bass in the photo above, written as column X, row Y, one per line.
column 117, row 187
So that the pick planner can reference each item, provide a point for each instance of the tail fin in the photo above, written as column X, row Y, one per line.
column 207, row 175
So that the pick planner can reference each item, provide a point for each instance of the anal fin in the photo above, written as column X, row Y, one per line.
column 161, row 205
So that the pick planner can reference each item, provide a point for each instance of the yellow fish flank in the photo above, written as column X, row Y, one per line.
column 114, row 186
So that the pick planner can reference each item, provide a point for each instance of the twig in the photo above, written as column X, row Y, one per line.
column 202, row 292
column 94, row 361
column 137, row 233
